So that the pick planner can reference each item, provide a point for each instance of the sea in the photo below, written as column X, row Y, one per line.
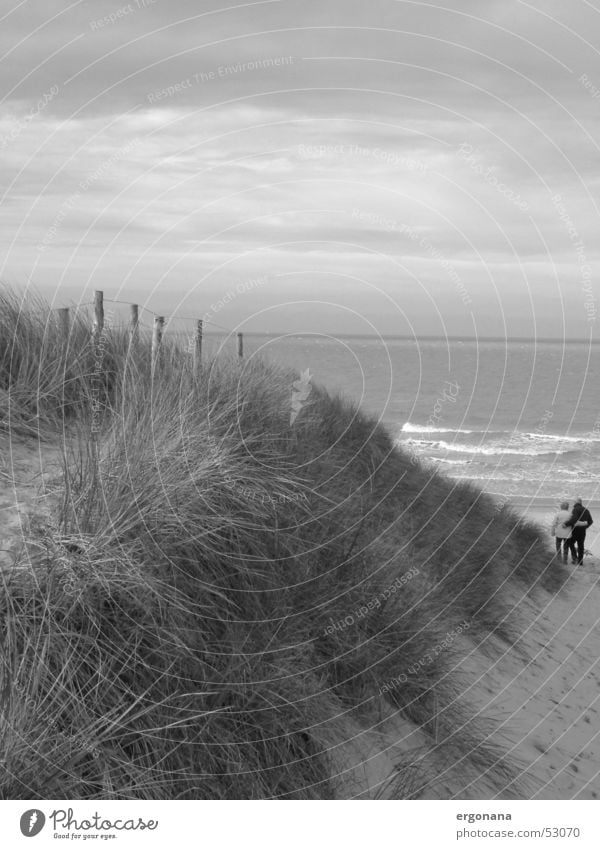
column 520, row 419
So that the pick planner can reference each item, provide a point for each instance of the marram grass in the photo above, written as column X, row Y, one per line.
column 227, row 599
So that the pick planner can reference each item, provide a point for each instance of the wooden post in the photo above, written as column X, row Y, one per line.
column 64, row 330
column 159, row 323
column 96, row 382
column 134, row 330
column 98, row 318
column 64, row 322
column 240, row 345
column 198, row 348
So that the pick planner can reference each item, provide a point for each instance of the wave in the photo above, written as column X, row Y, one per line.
column 487, row 450
column 409, row 427
column 538, row 477
column 515, row 435
column 558, row 438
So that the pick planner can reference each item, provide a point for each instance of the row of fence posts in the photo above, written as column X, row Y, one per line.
column 157, row 335
column 157, row 330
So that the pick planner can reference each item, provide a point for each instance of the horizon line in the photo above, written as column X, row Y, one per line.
column 417, row 337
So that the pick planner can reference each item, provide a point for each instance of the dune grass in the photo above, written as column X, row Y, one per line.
column 227, row 598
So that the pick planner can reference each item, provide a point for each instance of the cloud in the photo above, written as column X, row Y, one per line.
column 159, row 144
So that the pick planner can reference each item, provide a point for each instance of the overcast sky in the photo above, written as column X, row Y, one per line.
column 370, row 166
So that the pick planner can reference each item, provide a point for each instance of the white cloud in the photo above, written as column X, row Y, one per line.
column 260, row 170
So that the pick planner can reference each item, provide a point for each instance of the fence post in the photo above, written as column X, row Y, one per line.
column 198, row 348
column 98, row 327
column 159, row 323
column 64, row 322
column 240, row 345
column 133, row 325
column 98, row 318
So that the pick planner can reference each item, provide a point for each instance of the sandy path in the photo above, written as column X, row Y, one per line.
column 553, row 702
column 545, row 709
column 28, row 471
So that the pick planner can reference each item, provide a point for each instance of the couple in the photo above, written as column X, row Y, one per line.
column 569, row 527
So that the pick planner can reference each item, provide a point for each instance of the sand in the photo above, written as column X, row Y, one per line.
column 548, row 708
column 29, row 481
column 541, row 699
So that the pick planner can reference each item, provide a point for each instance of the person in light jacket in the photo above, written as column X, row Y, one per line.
column 563, row 533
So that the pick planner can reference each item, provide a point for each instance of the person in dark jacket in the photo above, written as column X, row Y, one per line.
column 580, row 521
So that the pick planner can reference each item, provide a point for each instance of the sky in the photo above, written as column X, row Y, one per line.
column 382, row 167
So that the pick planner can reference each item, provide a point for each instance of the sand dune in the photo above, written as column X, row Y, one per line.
column 539, row 698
